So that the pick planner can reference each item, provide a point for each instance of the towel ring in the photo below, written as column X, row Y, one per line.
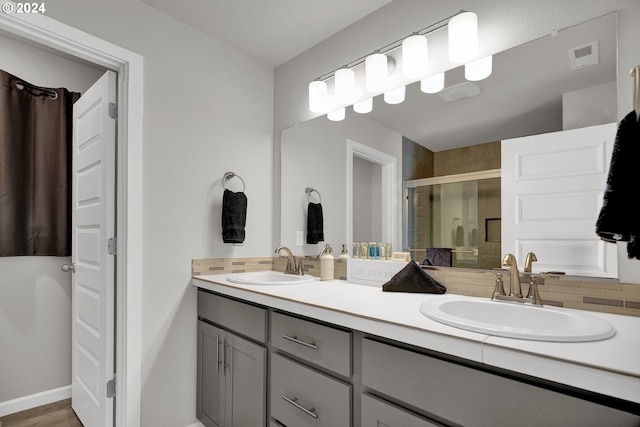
column 310, row 190
column 230, row 175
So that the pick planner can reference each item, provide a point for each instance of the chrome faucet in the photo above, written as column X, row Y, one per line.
column 293, row 267
column 514, row 283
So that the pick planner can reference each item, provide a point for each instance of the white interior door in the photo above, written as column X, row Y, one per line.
column 552, row 192
column 93, row 223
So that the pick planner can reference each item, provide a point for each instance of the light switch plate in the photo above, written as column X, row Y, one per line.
column 299, row 238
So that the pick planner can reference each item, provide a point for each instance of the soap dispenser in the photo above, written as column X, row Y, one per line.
column 326, row 263
column 345, row 252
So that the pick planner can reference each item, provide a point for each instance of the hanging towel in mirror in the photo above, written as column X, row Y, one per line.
column 619, row 219
column 442, row 257
column 315, row 223
column 234, row 216
column 413, row 279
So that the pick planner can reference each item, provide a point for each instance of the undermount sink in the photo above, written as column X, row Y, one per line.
column 515, row 320
column 269, row 278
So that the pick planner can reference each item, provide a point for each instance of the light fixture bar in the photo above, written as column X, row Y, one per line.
column 430, row 29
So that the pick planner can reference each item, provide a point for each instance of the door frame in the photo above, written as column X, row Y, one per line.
column 129, row 67
column 388, row 189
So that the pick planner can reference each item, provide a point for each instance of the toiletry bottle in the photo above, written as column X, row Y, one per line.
column 345, row 253
column 326, row 263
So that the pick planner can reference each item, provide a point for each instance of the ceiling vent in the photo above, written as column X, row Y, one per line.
column 583, row 56
column 460, row 91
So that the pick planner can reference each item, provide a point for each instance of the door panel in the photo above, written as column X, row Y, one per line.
column 552, row 191
column 93, row 222
column 211, row 393
column 247, row 383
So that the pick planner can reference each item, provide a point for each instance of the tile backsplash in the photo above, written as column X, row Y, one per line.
column 572, row 292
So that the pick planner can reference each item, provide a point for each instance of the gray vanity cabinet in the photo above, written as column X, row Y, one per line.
column 377, row 413
column 308, row 391
column 324, row 375
column 463, row 395
column 304, row 397
column 232, row 370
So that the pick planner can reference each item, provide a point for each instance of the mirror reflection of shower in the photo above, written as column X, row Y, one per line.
column 448, row 222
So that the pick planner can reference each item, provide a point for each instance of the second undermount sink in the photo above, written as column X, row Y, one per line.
column 514, row 320
column 269, row 278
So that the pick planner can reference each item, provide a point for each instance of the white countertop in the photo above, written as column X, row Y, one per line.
column 610, row 367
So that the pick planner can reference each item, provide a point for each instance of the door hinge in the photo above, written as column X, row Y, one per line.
column 113, row 110
column 112, row 246
column 111, row 388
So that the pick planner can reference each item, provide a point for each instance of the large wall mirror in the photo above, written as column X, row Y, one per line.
column 523, row 96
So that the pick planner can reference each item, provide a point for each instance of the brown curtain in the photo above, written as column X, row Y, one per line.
column 35, row 168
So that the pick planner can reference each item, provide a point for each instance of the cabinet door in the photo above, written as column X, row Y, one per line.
column 245, row 365
column 211, row 381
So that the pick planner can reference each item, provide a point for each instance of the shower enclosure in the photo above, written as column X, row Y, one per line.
column 454, row 220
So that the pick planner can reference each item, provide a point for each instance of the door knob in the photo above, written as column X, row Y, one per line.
column 68, row 268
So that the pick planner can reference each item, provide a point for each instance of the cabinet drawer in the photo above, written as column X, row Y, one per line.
column 376, row 413
column 471, row 397
column 246, row 319
column 322, row 345
column 302, row 397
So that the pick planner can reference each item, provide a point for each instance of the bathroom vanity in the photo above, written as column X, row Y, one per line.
column 341, row 354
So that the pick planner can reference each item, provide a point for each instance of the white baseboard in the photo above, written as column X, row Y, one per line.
column 196, row 424
column 34, row 400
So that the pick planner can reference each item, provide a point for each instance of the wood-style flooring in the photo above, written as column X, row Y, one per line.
column 57, row 414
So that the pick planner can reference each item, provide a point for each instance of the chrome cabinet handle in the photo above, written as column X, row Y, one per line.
column 299, row 341
column 218, row 353
column 68, row 268
column 224, row 357
column 294, row 401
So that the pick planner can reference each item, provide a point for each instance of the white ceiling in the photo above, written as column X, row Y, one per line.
column 271, row 30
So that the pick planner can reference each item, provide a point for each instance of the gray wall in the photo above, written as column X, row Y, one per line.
column 208, row 109
column 35, row 296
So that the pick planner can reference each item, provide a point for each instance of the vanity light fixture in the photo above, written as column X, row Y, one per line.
column 433, row 84
column 345, row 84
column 479, row 69
column 395, row 96
column 363, row 107
column 463, row 37
column 415, row 57
column 318, row 96
column 379, row 67
column 337, row 115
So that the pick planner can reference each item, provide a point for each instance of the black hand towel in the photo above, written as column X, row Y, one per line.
column 619, row 219
column 315, row 226
column 234, row 216
column 442, row 257
column 413, row 279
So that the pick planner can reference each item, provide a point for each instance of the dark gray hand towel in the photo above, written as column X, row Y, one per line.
column 459, row 237
column 234, row 216
column 413, row 279
column 315, row 224
column 442, row 257
column 619, row 219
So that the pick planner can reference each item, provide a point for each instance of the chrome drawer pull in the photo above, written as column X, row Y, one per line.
column 296, row 340
column 294, row 401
